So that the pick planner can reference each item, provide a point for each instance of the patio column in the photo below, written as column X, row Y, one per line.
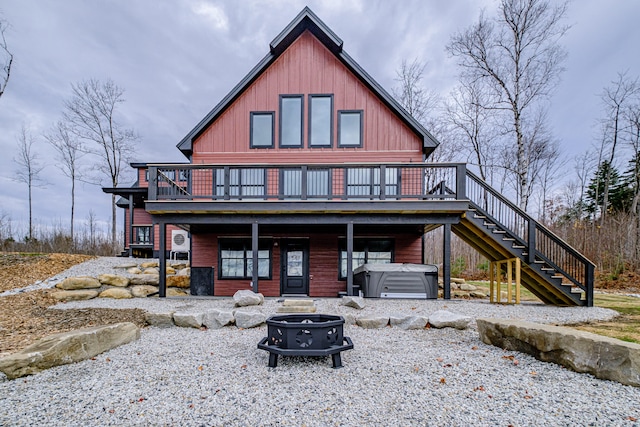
column 130, row 225
column 254, row 253
column 446, row 260
column 350, row 258
column 162, row 257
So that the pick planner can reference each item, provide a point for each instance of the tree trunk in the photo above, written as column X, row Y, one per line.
column 73, row 203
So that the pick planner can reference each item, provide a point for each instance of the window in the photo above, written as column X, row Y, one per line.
column 350, row 128
column 183, row 174
column 142, row 235
column 164, row 174
column 317, row 183
column 320, row 120
column 261, row 129
column 236, row 259
column 366, row 182
column 291, row 120
column 366, row 251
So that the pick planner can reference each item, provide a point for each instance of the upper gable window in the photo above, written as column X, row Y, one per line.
column 350, row 128
column 320, row 120
column 262, row 129
column 291, row 120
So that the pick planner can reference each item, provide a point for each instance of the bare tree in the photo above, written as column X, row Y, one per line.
column 91, row 114
column 518, row 58
column 69, row 150
column 29, row 168
column 412, row 95
column 616, row 99
column 7, row 57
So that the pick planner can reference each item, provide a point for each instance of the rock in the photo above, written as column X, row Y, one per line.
column 188, row 320
column 83, row 282
column 126, row 266
column 114, row 280
column 477, row 294
column 178, row 281
column 170, row 270
column 145, row 279
column 467, row 287
column 459, row 294
column 149, row 264
column 447, row 319
column 296, row 309
column 216, row 319
column 151, row 270
column 79, row 295
column 603, row 357
column 354, row 302
column 179, row 265
column 372, row 322
column 134, row 270
column 116, row 293
column 349, row 319
column 297, row 302
column 245, row 297
column 160, row 320
column 67, row 347
column 249, row 319
column 175, row 292
column 457, row 280
column 184, row 272
column 141, row 291
column 408, row 322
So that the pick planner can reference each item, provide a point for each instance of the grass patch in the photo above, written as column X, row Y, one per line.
column 625, row 327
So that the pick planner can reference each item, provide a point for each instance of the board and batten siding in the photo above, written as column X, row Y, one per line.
column 307, row 67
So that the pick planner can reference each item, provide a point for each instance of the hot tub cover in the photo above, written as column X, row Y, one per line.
column 397, row 267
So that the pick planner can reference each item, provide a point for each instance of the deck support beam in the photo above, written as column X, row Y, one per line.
column 446, row 260
column 162, row 258
column 254, row 254
column 350, row 258
column 130, row 227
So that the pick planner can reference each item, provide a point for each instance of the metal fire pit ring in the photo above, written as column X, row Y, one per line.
column 305, row 335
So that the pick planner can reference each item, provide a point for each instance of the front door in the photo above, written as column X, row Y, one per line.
column 295, row 267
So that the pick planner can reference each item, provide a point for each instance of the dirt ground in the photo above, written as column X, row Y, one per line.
column 26, row 317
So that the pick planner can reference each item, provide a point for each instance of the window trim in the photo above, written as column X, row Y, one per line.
column 273, row 121
column 340, row 113
column 365, row 241
column 245, row 242
column 280, row 116
column 309, row 119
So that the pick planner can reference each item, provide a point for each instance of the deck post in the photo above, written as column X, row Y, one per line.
column 254, row 253
column 350, row 258
column 588, row 282
column 153, row 183
column 162, row 258
column 531, row 254
column 461, row 181
column 130, row 226
column 446, row 260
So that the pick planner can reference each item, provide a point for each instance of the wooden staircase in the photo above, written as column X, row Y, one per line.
column 551, row 269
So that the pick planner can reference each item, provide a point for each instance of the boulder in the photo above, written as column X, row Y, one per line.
column 408, row 322
column 179, row 265
column 114, row 280
column 447, row 319
column 372, row 322
column 184, row 272
column 142, row 291
column 149, row 264
column 116, row 293
column 249, row 319
column 126, row 266
column 67, row 347
column 145, row 279
column 79, row 295
column 349, row 319
column 83, row 282
column 216, row 319
column 150, row 270
column 175, row 292
column 457, row 280
column 188, row 319
column 170, row 270
column 178, row 281
column 603, row 357
column 134, row 270
column 477, row 294
column 160, row 320
column 245, row 297
column 467, row 287
column 354, row 302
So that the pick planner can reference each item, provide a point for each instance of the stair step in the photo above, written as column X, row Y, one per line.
column 557, row 277
column 547, row 269
column 518, row 247
column 508, row 239
column 488, row 224
column 479, row 216
column 499, row 232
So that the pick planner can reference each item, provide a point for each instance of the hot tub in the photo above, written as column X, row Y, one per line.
column 397, row 280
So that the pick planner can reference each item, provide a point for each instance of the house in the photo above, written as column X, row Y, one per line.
column 308, row 168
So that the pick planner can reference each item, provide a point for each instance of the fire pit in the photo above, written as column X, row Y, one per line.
column 305, row 335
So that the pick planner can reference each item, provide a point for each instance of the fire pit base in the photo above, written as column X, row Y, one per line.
column 305, row 335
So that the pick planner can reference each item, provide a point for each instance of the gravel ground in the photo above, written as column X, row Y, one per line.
column 392, row 377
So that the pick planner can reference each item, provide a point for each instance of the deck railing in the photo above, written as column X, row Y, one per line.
column 307, row 182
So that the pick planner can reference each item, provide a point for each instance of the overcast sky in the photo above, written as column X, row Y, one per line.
column 178, row 59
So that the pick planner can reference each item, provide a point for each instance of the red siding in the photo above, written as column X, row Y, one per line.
column 156, row 236
column 142, row 177
column 307, row 67
column 323, row 260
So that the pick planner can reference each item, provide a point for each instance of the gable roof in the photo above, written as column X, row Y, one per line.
column 307, row 20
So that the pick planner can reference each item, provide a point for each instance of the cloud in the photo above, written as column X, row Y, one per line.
column 212, row 13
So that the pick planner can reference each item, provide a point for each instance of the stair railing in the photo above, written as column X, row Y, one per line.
column 540, row 242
